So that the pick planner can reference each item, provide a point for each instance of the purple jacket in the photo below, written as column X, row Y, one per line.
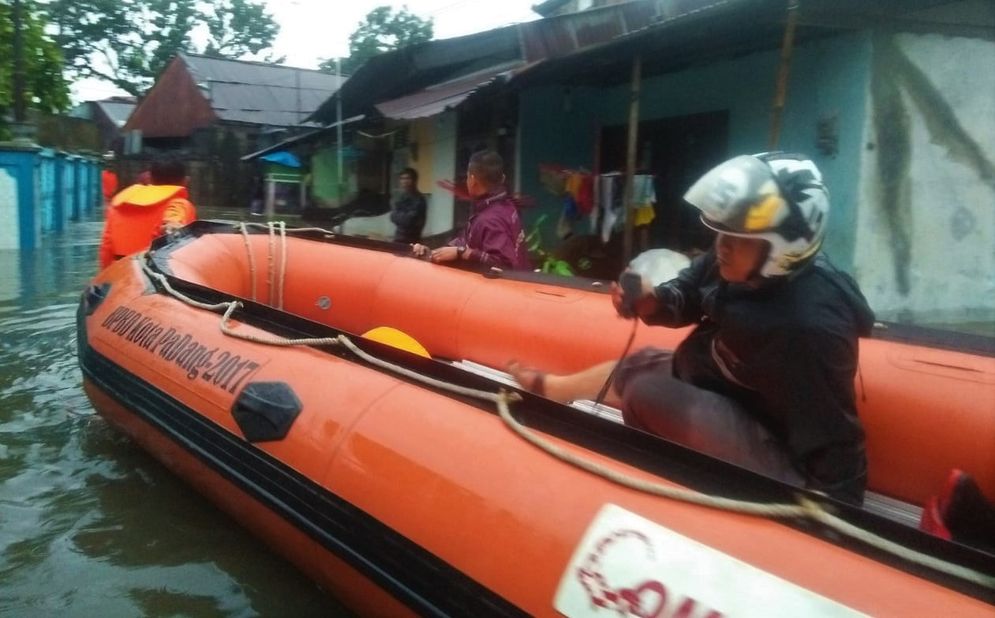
column 494, row 234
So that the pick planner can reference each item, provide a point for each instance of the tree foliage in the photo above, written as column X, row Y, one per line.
column 129, row 42
column 382, row 30
column 44, row 87
column 237, row 28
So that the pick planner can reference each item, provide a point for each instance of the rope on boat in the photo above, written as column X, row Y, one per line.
column 252, row 260
column 282, row 278
column 805, row 508
column 290, row 230
column 231, row 306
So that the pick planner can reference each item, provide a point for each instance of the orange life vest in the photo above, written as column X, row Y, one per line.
column 136, row 216
column 109, row 181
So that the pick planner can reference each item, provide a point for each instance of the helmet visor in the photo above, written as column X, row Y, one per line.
column 729, row 194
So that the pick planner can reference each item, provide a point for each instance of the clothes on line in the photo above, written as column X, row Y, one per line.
column 608, row 215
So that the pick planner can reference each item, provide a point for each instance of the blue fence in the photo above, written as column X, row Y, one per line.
column 41, row 190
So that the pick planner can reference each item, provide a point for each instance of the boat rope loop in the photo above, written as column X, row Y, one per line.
column 805, row 508
column 276, row 280
column 252, row 260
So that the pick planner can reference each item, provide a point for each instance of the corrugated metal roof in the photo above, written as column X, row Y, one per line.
column 117, row 111
column 565, row 34
column 440, row 97
column 684, row 33
column 260, row 93
column 548, row 7
column 301, row 139
column 595, row 46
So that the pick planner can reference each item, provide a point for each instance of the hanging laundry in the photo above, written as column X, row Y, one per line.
column 608, row 215
column 643, row 199
column 576, row 187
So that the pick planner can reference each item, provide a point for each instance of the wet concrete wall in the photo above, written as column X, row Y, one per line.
column 925, row 244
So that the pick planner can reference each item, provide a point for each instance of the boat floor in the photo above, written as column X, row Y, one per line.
column 878, row 504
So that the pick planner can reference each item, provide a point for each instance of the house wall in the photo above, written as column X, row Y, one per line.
column 828, row 78
column 926, row 229
column 443, row 147
column 325, row 175
column 421, row 153
column 556, row 125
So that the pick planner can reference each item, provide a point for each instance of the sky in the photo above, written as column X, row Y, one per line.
column 312, row 30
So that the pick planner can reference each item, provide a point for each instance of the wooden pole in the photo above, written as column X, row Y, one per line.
column 783, row 70
column 338, row 133
column 270, row 209
column 630, row 157
column 18, row 15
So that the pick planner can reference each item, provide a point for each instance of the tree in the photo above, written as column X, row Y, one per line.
column 238, row 28
column 44, row 87
column 128, row 43
column 381, row 31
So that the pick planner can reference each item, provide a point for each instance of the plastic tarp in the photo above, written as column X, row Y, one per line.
column 282, row 157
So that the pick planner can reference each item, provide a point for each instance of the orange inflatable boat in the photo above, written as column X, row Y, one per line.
column 390, row 468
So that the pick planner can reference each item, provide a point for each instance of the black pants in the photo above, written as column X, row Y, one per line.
column 655, row 401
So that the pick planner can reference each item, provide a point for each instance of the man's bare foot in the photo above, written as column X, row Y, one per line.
column 529, row 378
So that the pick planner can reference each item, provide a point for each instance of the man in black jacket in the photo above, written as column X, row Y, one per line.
column 765, row 380
column 409, row 209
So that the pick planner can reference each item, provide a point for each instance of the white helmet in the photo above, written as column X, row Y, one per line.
column 778, row 197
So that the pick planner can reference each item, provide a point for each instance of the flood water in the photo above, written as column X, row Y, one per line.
column 89, row 524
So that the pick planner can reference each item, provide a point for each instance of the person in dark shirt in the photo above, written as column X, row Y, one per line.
column 765, row 380
column 409, row 209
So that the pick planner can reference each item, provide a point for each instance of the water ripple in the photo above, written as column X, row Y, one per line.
column 89, row 524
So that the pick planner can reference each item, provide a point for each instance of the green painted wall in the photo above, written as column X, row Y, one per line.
column 828, row 77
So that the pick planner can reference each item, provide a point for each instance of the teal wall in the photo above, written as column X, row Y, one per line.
column 827, row 77
column 556, row 126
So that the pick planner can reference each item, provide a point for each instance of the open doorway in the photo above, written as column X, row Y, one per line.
column 676, row 151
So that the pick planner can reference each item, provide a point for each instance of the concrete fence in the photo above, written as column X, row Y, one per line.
column 41, row 190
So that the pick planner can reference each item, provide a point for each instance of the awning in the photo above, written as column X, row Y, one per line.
column 438, row 98
column 299, row 139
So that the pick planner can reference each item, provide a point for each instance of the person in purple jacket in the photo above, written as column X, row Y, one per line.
column 493, row 235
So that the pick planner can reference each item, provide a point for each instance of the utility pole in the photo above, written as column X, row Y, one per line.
column 338, row 129
column 783, row 69
column 630, row 159
column 19, row 115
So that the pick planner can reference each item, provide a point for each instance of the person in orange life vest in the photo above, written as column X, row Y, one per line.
column 140, row 213
column 108, row 179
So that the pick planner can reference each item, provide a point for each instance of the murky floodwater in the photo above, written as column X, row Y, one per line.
column 89, row 524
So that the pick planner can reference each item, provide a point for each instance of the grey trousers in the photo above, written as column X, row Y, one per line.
column 655, row 401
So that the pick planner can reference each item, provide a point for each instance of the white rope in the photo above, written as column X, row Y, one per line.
column 291, row 230
column 270, row 257
column 283, row 263
column 805, row 508
column 252, row 260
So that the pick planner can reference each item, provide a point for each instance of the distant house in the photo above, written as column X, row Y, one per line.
column 109, row 115
column 212, row 111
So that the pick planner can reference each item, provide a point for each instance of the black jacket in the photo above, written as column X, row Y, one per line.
column 409, row 217
column 787, row 350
